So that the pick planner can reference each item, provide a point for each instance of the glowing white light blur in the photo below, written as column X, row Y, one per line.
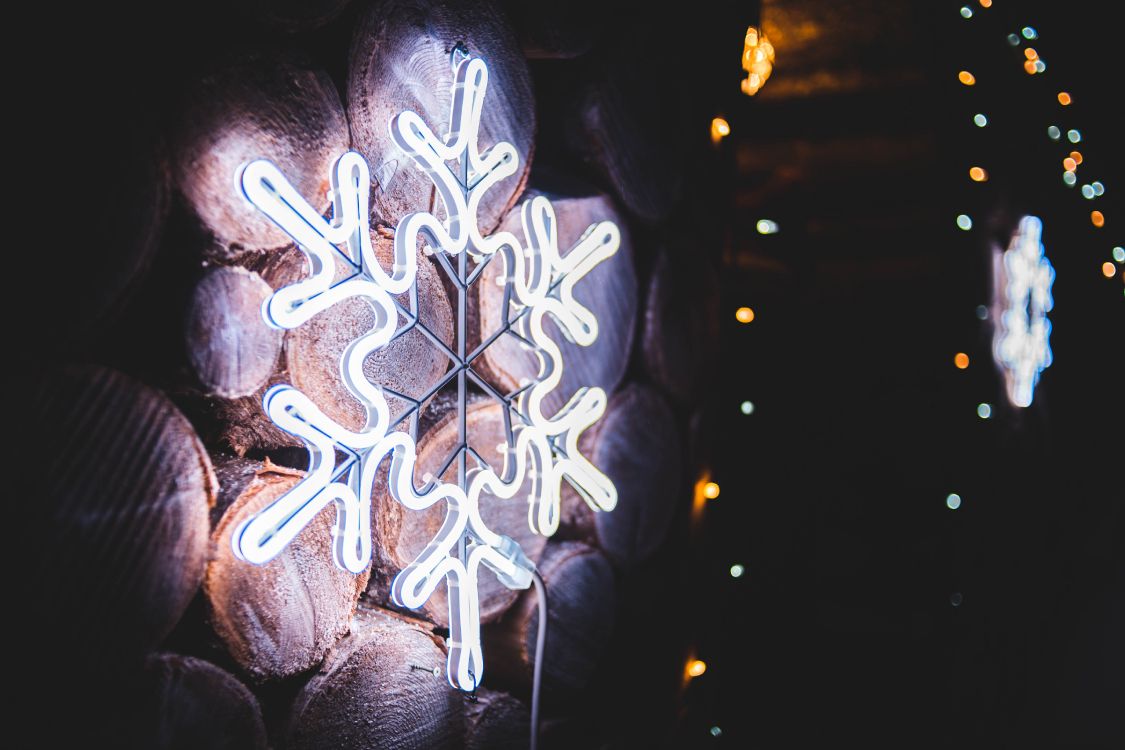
column 1119, row 254
column 984, row 411
column 980, row 120
column 1069, row 178
column 1021, row 340
column 747, row 407
column 1029, row 33
column 736, row 571
column 1073, row 136
column 966, row 11
column 766, row 226
column 964, row 222
column 953, row 501
column 982, row 312
column 1088, row 192
column 1054, row 133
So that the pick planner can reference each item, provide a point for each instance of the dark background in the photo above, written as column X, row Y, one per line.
column 843, row 628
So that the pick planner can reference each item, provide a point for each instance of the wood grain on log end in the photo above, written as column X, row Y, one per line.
column 609, row 291
column 230, row 346
column 187, row 703
column 681, row 324
column 261, row 107
column 496, row 721
column 280, row 618
column 410, row 364
column 368, row 695
column 121, row 508
column 400, row 60
column 580, row 610
column 402, row 534
column 636, row 444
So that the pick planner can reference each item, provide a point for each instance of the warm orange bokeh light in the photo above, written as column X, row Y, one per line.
column 977, row 174
column 1077, row 156
column 986, row 3
column 1070, row 164
column 696, row 667
column 1108, row 270
column 1064, row 98
column 961, row 360
column 720, row 129
column 966, row 78
column 710, row 490
column 744, row 315
column 1097, row 219
column 1031, row 54
column 1029, row 67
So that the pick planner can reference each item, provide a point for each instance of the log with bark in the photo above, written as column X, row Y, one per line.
column 231, row 348
column 310, row 359
column 681, row 324
column 120, row 512
column 637, row 445
column 259, row 107
column 400, row 60
column 281, row 618
column 185, row 702
column 401, row 534
column 580, row 614
column 383, row 686
column 609, row 291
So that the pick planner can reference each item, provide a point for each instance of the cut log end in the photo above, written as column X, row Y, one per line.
column 377, row 689
column 402, row 534
column 681, row 324
column 580, row 610
column 400, row 60
column 189, row 703
column 280, row 618
column 231, row 348
column 123, row 495
column 609, row 291
column 496, row 721
column 637, row 445
column 261, row 107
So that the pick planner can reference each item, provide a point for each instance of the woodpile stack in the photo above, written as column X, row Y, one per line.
column 152, row 470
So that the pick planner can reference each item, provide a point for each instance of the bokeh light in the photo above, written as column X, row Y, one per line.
column 961, row 360
column 744, row 315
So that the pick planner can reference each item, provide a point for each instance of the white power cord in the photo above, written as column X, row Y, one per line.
column 540, row 640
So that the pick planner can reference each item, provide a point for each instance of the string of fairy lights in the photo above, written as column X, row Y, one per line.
column 1072, row 141
column 1033, row 64
column 758, row 57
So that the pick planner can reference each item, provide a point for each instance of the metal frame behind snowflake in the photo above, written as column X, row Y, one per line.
column 538, row 281
column 1021, row 341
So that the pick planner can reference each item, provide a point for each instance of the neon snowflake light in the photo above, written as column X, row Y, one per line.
column 1021, row 341
column 541, row 449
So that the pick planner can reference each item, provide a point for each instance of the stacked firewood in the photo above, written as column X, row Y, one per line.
column 152, row 467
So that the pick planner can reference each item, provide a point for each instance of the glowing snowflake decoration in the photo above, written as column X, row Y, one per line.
column 1021, row 341
column 541, row 450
